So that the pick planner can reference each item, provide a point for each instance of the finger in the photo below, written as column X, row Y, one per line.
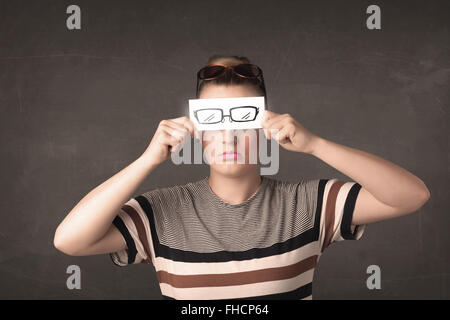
column 167, row 139
column 274, row 127
column 268, row 115
column 266, row 134
column 167, row 136
column 278, row 123
column 283, row 135
column 176, row 126
column 177, row 130
column 178, row 134
column 197, row 134
column 269, row 123
column 187, row 123
column 176, row 148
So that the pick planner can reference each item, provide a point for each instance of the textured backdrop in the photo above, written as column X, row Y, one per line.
column 77, row 106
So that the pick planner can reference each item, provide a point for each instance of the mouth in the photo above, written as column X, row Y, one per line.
column 230, row 155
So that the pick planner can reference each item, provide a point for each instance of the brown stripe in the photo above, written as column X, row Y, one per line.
column 237, row 278
column 140, row 229
column 330, row 210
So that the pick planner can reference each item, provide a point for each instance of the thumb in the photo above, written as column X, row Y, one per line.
column 267, row 115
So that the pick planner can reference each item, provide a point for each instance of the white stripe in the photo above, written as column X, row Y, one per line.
column 275, row 261
column 134, row 234
column 120, row 257
column 326, row 192
column 135, row 204
column 339, row 210
column 239, row 291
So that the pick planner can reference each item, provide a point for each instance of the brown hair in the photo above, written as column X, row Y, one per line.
column 229, row 78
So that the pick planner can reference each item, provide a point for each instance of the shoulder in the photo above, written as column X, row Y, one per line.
column 175, row 195
column 304, row 193
column 306, row 186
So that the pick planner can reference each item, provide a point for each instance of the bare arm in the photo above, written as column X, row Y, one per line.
column 92, row 217
column 387, row 191
column 88, row 228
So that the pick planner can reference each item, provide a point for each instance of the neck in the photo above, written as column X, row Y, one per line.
column 235, row 189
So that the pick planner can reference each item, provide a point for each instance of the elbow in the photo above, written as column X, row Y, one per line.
column 58, row 243
column 421, row 198
column 426, row 195
column 62, row 245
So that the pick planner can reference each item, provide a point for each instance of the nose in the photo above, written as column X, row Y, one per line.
column 229, row 136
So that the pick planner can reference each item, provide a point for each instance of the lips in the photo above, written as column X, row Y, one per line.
column 230, row 155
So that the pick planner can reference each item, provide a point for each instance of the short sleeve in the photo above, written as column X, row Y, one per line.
column 133, row 223
column 337, row 200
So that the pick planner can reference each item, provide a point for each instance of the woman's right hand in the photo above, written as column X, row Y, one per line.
column 167, row 136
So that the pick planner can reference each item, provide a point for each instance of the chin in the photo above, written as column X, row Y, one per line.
column 232, row 169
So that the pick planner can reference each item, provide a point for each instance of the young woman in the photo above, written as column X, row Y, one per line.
column 237, row 234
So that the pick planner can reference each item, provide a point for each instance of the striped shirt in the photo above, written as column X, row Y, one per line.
column 266, row 247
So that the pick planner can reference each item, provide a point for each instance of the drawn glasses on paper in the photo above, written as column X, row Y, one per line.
column 212, row 114
column 236, row 114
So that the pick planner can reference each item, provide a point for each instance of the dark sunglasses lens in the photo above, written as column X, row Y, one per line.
column 247, row 70
column 210, row 72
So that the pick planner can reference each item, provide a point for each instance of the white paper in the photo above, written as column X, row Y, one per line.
column 255, row 110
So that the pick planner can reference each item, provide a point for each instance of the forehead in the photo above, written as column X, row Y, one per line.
column 226, row 61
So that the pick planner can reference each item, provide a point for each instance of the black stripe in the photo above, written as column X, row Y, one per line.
column 320, row 193
column 128, row 239
column 302, row 239
column 146, row 206
column 297, row 294
column 300, row 293
column 347, row 217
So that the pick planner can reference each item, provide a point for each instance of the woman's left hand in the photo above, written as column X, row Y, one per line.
column 290, row 134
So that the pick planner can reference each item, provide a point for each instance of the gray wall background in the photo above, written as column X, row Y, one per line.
column 79, row 106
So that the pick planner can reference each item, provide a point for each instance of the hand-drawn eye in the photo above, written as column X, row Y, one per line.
column 209, row 115
column 244, row 114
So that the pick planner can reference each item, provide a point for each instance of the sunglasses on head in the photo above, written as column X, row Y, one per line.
column 243, row 70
